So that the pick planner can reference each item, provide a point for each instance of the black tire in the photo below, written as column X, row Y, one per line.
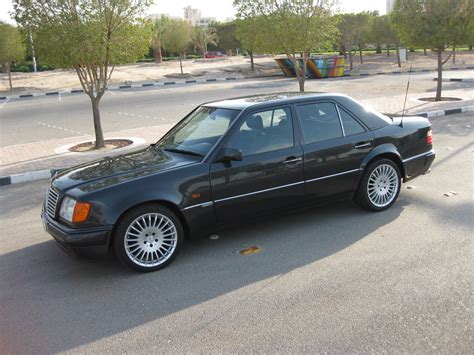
column 362, row 197
column 120, row 240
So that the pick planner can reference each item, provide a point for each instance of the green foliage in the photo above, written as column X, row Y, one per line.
column 249, row 32
column 382, row 31
column 291, row 26
column 226, row 33
column 91, row 36
column 177, row 36
column 80, row 33
column 434, row 23
column 11, row 44
column 159, row 26
column 202, row 36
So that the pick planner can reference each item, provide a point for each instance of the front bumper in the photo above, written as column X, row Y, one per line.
column 71, row 238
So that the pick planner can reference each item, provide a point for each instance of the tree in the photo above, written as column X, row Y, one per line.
column 202, row 36
column 89, row 36
column 361, row 31
column 226, row 32
column 294, row 27
column 347, row 40
column 248, row 32
column 176, row 38
column 159, row 26
column 434, row 24
column 11, row 48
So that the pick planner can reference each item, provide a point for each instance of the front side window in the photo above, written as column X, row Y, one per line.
column 264, row 131
column 319, row 122
column 200, row 131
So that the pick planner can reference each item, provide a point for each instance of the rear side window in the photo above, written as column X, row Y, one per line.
column 319, row 121
column 351, row 126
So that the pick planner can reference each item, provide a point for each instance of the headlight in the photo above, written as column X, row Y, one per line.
column 74, row 211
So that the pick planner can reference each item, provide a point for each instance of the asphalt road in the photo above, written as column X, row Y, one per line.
column 331, row 279
column 45, row 118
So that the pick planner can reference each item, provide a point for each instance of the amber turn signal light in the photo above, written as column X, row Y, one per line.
column 81, row 212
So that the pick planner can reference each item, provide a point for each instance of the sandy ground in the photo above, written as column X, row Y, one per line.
column 215, row 68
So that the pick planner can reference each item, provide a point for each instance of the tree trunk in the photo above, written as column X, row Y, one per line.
column 252, row 64
column 351, row 64
column 424, row 51
column 388, row 50
column 398, row 57
column 8, row 71
column 440, row 76
column 360, row 55
column 158, row 55
column 181, row 63
column 99, row 134
column 470, row 47
column 454, row 54
column 378, row 49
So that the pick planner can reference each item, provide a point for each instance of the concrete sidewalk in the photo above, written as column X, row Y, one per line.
column 45, row 155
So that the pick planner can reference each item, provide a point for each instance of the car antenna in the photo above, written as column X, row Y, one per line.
column 406, row 96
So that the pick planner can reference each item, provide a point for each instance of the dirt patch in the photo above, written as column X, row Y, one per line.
column 432, row 99
column 110, row 144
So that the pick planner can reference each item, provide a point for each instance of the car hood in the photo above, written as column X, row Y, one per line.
column 117, row 169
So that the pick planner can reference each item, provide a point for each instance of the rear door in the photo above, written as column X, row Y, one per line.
column 334, row 145
column 270, row 175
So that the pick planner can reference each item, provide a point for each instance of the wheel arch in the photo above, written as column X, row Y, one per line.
column 171, row 206
column 388, row 151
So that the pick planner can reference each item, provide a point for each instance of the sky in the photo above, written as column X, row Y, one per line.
column 220, row 9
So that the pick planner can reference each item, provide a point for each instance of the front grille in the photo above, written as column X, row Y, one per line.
column 51, row 203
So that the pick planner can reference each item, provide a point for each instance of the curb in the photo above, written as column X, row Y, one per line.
column 48, row 173
column 455, row 79
column 123, row 86
column 347, row 73
column 396, row 72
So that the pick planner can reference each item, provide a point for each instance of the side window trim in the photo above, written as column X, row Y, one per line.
column 340, row 120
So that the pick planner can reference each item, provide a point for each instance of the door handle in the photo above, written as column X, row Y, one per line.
column 290, row 160
column 361, row 145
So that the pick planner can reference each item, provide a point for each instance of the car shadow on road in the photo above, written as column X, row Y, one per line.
column 51, row 302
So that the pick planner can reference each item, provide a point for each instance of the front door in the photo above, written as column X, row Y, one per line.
column 334, row 144
column 270, row 175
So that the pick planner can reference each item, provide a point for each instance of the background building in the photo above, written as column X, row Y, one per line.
column 195, row 17
column 389, row 5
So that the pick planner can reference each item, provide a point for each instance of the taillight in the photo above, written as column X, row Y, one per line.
column 429, row 137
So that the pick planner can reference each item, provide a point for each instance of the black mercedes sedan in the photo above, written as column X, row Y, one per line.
column 231, row 161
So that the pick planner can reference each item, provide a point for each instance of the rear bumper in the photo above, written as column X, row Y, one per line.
column 418, row 165
column 72, row 238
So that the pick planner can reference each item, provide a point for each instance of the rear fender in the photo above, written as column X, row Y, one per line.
column 387, row 150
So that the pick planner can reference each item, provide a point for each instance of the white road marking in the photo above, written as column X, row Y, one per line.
column 60, row 128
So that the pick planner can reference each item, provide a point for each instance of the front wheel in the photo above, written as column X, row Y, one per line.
column 148, row 238
column 380, row 185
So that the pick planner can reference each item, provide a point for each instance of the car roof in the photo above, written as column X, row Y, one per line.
column 241, row 103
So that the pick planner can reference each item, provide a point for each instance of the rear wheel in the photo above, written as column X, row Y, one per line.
column 148, row 238
column 380, row 185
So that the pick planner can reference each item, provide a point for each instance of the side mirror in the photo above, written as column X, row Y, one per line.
column 229, row 154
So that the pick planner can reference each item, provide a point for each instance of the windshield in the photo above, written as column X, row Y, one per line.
column 200, row 131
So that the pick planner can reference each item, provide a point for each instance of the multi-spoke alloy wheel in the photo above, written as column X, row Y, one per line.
column 148, row 238
column 380, row 185
column 383, row 185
